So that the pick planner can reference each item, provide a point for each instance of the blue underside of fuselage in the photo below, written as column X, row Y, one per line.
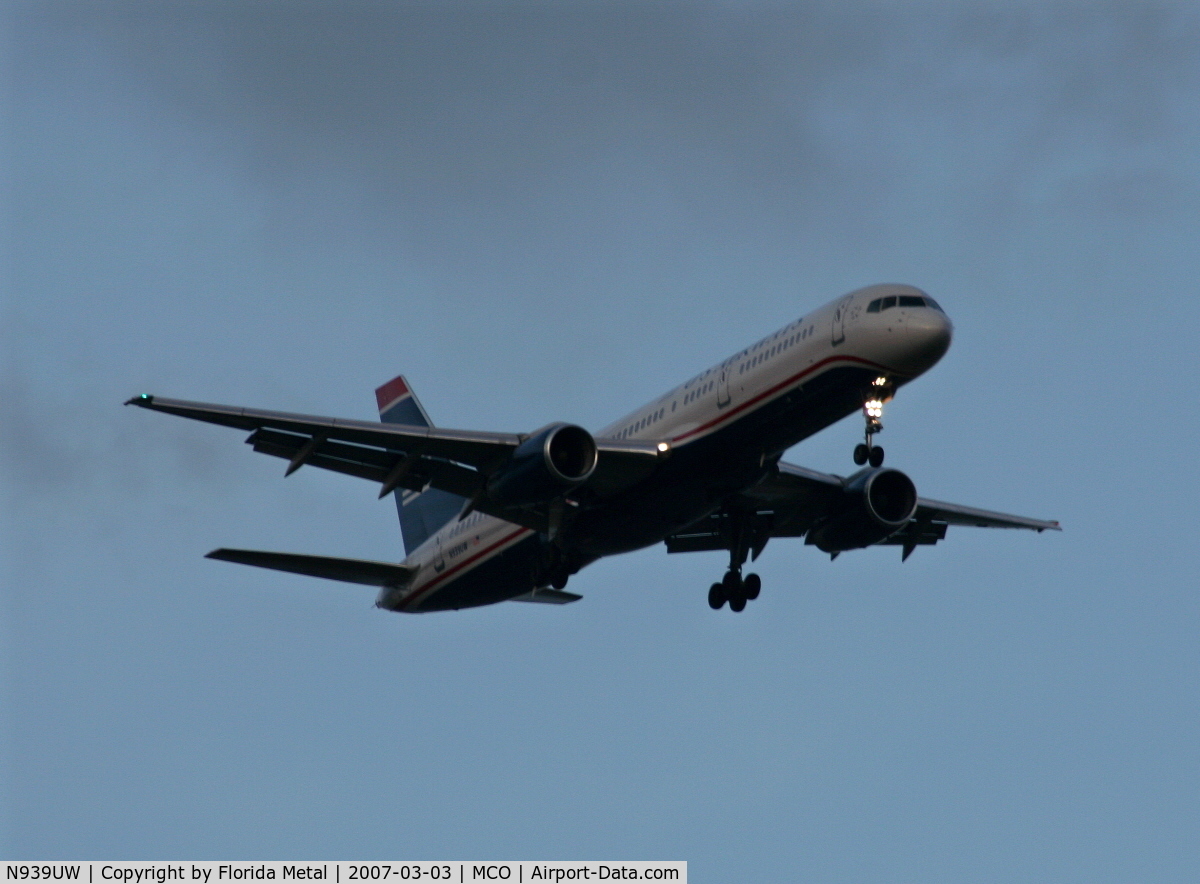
column 697, row 478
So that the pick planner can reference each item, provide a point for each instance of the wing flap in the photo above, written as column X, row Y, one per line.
column 362, row 571
column 353, row 460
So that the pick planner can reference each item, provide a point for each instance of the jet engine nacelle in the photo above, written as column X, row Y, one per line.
column 875, row 504
column 551, row 462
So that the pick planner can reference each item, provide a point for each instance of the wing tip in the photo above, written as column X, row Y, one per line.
column 142, row 399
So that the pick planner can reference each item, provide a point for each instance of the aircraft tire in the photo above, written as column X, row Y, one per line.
column 876, row 456
column 860, row 453
column 716, row 596
column 751, row 586
column 737, row 603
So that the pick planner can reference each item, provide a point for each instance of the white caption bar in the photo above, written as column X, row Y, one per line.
column 457, row 872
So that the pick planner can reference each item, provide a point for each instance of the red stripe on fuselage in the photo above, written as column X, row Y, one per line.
column 428, row 588
column 721, row 418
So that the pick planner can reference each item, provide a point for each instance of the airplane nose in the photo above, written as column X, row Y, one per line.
column 929, row 334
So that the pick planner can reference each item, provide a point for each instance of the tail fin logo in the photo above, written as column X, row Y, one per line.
column 399, row 405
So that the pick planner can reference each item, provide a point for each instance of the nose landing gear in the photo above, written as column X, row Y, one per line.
column 878, row 393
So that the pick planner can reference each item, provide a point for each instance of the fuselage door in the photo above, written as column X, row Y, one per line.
column 723, row 387
column 839, row 320
column 439, row 558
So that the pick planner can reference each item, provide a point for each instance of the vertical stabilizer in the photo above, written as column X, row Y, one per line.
column 422, row 513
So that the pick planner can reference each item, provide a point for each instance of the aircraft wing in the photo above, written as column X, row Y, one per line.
column 402, row 456
column 792, row 499
column 794, row 489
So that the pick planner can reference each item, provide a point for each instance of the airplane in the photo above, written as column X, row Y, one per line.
column 491, row 517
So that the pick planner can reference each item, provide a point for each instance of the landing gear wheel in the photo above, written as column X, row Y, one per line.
column 861, row 453
column 734, row 590
column 876, row 456
column 716, row 596
column 751, row 586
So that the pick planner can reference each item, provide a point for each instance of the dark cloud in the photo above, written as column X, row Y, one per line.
column 444, row 122
column 476, row 114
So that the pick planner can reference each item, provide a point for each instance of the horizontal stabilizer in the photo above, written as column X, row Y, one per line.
column 548, row 597
column 347, row 570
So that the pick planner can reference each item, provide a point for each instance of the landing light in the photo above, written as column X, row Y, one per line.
column 873, row 407
column 664, row 447
column 879, row 382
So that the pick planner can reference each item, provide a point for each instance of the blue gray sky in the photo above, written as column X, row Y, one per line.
column 555, row 212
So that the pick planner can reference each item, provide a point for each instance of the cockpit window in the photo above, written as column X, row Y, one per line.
column 902, row 301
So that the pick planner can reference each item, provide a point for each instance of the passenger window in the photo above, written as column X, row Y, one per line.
column 873, row 307
column 911, row 301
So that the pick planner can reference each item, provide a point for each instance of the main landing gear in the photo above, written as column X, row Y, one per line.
column 735, row 589
column 879, row 392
